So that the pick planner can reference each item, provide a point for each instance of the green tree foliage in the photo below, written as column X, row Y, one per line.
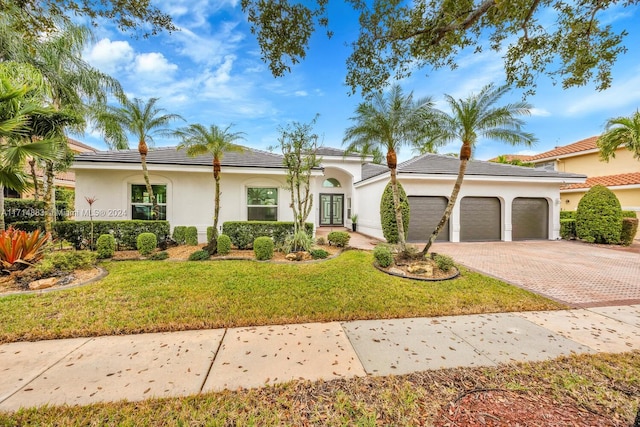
column 599, row 216
column 388, row 215
column 621, row 132
column 566, row 40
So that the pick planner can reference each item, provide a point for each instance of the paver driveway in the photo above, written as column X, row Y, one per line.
column 577, row 274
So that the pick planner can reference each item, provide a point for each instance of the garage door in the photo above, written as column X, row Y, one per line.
column 530, row 218
column 426, row 212
column 480, row 219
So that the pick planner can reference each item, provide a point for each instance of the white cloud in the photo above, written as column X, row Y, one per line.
column 623, row 92
column 539, row 112
column 154, row 66
column 300, row 93
column 209, row 50
column 110, row 56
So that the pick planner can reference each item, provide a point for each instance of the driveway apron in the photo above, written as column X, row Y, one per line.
column 576, row 274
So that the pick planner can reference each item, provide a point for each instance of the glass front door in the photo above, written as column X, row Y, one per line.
column 332, row 209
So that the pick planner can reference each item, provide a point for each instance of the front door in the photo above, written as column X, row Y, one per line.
column 332, row 209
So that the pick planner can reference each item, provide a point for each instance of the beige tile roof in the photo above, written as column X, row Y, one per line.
column 608, row 181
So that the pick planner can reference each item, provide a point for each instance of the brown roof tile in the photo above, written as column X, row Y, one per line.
column 576, row 147
column 607, row 181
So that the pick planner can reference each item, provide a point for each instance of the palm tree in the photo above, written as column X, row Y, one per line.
column 198, row 141
column 141, row 119
column 473, row 117
column 389, row 123
column 620, row 131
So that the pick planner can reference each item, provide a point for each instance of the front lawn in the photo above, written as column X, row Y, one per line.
column 153, row 296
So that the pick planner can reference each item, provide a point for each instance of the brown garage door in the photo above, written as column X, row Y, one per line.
column 530, row 218
column 480, row 219
column 426, row 212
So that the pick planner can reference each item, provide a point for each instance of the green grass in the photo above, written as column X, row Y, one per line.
column 147, row 296
column 605, row 387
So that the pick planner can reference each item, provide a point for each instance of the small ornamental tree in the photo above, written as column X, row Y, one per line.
column 388, row 216
column 599, row 216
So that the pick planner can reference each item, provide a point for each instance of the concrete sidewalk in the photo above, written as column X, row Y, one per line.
column 136, row 367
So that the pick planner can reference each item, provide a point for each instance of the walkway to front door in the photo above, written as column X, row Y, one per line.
column 331, row 209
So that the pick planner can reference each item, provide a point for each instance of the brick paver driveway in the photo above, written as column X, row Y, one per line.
column 574, row 273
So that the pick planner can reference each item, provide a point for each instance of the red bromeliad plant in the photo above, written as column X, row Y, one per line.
column 17, row 246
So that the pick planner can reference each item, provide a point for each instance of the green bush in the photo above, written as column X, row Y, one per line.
column 125, row 232
column 179, row 234
column 321, row 241
column 568, row 229
column 318, row 253
column 209, row 233
column 567, row 215
column 300, row 241
column 263, row 248
column 159, row 256
column 339, row 238
column 223, row 244
column 106, row 246
column 629, row 214
column 20, row 210
column 200, row 255
column 28, row 226
column 66, row 261
column 146, row 243
column 388, row 215
column 382, row 255
column 629, row 230
column 243, row 233
column 599, row 216
column 444, row 262
column 191, row 236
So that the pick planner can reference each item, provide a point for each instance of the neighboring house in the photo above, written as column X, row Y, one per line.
column 497, row 202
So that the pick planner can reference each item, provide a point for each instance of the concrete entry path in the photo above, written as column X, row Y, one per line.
column 577, row 274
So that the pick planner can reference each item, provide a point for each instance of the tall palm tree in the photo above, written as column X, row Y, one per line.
column 620, row 131
column 389, row 122
column 215, row 141
column 141, row 119
column 473, row 117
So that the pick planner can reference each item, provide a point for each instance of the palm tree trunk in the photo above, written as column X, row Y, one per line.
column 393, row 163
column 2, row 224
column 34, row 177
column 465, row 154
column 216, row 209
column 155, row 209
column 48, row 198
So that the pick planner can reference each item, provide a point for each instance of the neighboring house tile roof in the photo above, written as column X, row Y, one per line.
column 608, row 181
column 329, row 151
column 79, row 147
column 565, row 150
column 250, row 157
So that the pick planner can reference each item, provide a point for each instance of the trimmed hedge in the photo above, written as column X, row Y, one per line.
column 20, row 210
column 105, row 246
column 179, row 234
column 629, row 214
column 209, row 233
column 388, row 214
column 263, row 248
column 244, row 233
column 223, row 244
column 339, row 238
column 383, row 256
column 568, row 229
column 191, row 236
column 629, row 230
column 599, row 216
column 125, row 232
column 146, row 243
column 567, row 215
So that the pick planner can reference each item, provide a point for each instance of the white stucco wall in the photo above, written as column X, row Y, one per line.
column 370, row 192
column 189, row 195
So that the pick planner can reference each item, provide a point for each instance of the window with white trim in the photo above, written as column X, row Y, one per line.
column 262, row 204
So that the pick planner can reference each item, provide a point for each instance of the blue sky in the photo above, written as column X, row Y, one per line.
column 211, row 73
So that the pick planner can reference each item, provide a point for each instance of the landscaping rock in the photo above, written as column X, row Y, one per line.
column 42, row 283
column 421, row 268
column 397, row 271
column 298, row 256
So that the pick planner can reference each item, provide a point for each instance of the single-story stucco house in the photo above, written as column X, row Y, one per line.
column 496, row 202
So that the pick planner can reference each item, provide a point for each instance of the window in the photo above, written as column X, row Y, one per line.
column 262, row 204
column 141, row 206
column 331, row 183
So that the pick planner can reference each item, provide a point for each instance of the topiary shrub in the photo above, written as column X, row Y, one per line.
column 444, row 262
column 146, row 243
column 105, row 246
column 318, row 253
column 191, row 236
column 339, row 238
column 223, row 245
column 200, row 255
column 388, row 215
column 568, row 229
column 383, row 256
column 179, row 232
column 159, row 256
column 629, row 214
column 629, row 230
column 209, row 233
column 567, row 215
column 599, row 216
column 263, row 248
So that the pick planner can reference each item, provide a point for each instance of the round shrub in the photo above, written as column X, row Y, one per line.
column 444, row 262
column 263, row 248
column 200, row 255
column 105, row 246
column 318, row 253
column 629, row 230
column 388, row 214
column 223, row 245
column 146, row 243
column 191, row 236
column 383, row 256
column 339, row 238
column 599, row 216
column 179, row 234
